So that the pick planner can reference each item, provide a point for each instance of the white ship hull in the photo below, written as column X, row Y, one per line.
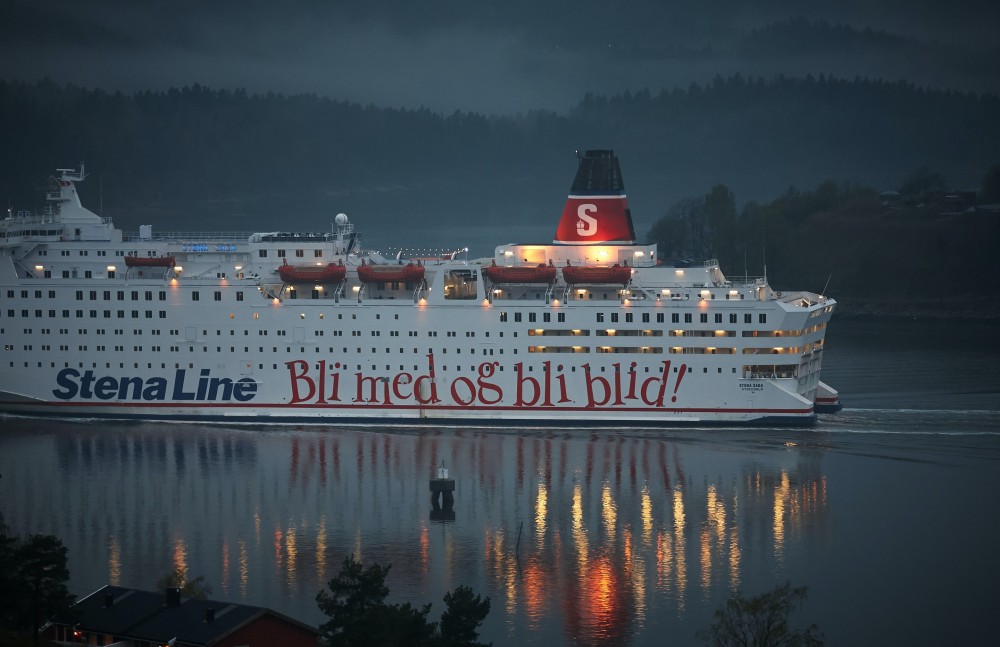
column 214, row 334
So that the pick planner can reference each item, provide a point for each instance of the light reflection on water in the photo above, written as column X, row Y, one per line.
column 615, row 527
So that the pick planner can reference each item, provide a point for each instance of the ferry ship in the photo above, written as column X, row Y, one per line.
column 592, row 328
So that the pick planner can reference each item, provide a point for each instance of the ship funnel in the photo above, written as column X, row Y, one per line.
column 596, row 210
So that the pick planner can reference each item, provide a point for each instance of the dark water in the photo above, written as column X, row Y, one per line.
column 885, row 511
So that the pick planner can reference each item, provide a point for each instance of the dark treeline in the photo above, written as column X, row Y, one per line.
column 848, row 241
column 200, row 158
column 193, row 145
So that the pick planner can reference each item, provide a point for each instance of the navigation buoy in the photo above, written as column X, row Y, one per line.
column 442, row 497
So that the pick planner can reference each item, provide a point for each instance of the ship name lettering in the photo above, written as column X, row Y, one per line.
column 207, row 388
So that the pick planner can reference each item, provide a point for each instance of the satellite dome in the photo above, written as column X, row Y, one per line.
column 341, row 219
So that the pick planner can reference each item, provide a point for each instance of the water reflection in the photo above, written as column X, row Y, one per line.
column 589, row 536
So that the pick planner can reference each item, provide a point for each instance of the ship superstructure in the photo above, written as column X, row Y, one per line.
column 592, row 328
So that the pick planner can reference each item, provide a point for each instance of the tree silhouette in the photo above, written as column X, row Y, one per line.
column 360, row 616
column 990, row 191
column 355, row 604
column 720, row 214
column 460, row 621
column 761, row 621
column 196, row 589
column 8, row 578
column 42, row 577
column 923, row 183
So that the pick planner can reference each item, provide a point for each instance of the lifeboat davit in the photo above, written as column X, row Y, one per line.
column 330, row 273
column 541, row 274
column 408, row 273
column 150, row 261
column 616, row 274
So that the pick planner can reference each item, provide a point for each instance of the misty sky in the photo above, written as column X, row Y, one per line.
column 487, row 57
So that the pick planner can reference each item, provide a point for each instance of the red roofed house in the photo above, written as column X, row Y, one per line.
column 123, row 617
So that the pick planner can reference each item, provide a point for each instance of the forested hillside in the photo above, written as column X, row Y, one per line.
column 875, row 255
column 209, row 159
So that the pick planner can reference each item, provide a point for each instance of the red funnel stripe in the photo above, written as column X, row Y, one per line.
column 595, row 219
column 596, row 210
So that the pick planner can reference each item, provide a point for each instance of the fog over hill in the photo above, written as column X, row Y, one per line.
column 492, row 57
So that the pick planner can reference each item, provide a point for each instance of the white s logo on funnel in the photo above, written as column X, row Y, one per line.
column 587, row 225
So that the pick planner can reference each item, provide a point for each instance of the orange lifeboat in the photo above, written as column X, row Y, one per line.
column 150, row 261
column 330, row 273
column 616, row 274
column 541, row 274
column 408, row 273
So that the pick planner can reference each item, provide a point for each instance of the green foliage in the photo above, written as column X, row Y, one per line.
column 761, row 621
column 462, row 617
column 41, row 576
column 923, row 183
column 723, row 228
column 360, row 616
column 194, row 153
column 9, row 593
column 699, row 228
column 680, row 233
column 196, row 589
column 990, row 191
column 355, row 604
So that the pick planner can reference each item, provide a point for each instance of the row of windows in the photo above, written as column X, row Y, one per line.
column 534, row 332
column 107, row 314
column 147, row 295
column 673, row 350
column 161, row 295
column 83, row 331
column 299, row 253
column 789, row 371
column 598, row 349
column 675, row 317
column 645, row 317
column 613, row 317
column 86, row 252
column 260, row 349
column 402, row 367
column 532, row 317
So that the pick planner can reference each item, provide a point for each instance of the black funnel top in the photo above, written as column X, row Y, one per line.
column 598, row 173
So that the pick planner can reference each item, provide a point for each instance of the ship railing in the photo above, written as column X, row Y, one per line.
column 27, row 218
column 637, row 292
column 195, row 236
column 801, row 299
column 745, row 281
